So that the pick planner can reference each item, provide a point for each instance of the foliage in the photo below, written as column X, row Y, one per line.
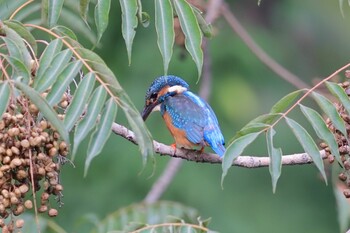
column 160, row 216
column 157, row 217
column 337, row 120
column 76, row 92
column 70, row 85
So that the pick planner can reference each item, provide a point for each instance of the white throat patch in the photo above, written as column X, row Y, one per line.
column 156, row 108
column 178, row 89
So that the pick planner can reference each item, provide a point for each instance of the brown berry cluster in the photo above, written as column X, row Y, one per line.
column 31, row 154
column 342, row 141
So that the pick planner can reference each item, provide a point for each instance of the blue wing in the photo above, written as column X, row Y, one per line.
column 192, row 114
column 186, row 115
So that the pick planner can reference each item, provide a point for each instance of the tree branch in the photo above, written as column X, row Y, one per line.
column 192, row 155
column 258, row 51
column 164, row 180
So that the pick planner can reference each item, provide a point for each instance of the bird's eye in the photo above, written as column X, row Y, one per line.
column 153, row 97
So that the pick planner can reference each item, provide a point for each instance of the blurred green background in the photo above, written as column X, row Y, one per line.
column 310, row 38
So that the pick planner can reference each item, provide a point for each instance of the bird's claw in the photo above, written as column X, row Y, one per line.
column 174, row 148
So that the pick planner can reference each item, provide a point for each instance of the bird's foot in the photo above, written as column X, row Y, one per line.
column 174, row 147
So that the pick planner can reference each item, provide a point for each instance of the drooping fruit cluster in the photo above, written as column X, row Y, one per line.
column 342, row 141
column 31, row 154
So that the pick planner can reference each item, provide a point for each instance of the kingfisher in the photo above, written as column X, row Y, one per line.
column 189, row 118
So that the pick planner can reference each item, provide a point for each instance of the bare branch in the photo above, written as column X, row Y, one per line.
column 164, row 180
column 260, row 53
column 192, row 155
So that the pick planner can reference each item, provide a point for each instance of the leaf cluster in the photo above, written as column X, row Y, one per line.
column 192, row 23
column 156, row 217
column 326, row 130
column 63, row 65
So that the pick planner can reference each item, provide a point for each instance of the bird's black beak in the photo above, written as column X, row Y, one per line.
column 147, row 110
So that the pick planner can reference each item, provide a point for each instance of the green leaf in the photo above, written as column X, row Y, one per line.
column 341, row 8
column 103, row 131
column 143, row 136
column 322, row 130
column 8, row 7
column 55, row 7
column 60, row 61
column 85, row 125
column 143, row 17
column 165, row 30
column 275, row 154
column 16, row 60
column 339, row 92
column 13, row 50
column 101, row 16
column 16, row 46
column 19, row 68
column 47, row 56
column 308, row 144
column 327, row 106
column 5, row 92
column 65, row 33
column 62, row 82
column 98, row 65
column 80, row 27
column 265, row 119
column 283, row 103
column 193, row 35
column 23, row 32
column 151, row 214
column 250, row 128
column 256, row 125
column 45, row 109
column 44, row 11
column 342, row 209
column 234, row 150
column 203, row 25
column 342, row 203
column 110, row 82
column 84, row 8
column 29, row 11
column 129, row 23
column 79, row 100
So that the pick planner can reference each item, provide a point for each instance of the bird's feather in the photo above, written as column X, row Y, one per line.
column 189, row 118
column 193, row 115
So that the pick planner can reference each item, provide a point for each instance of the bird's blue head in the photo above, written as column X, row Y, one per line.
column 162, row 87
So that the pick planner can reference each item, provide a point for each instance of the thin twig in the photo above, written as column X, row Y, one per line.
column 20, row 8
column 195, row 156
column 164, row 180
column 33, row 191
column 3, row 69
column 260, row 53
column 309, row 91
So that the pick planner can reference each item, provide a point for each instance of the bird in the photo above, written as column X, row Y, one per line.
column 189, row 118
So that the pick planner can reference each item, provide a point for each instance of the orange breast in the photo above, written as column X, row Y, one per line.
column 178, row 134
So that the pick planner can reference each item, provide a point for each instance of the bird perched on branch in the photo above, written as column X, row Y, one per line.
column 188, row 117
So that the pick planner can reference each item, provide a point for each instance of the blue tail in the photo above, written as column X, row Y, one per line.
column 219, row 149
